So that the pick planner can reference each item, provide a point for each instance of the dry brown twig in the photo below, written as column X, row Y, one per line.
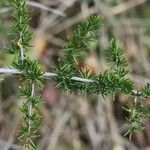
column 37, row 5
column 58, row 129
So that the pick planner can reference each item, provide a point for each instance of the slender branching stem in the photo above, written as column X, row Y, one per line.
column 21, row 49
column 45, row 75
column 30, row 106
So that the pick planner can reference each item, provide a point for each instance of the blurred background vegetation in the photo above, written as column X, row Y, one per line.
column 72, row 121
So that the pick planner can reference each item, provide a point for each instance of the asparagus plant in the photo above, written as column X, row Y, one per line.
column 31, row 77
column 68, row 75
